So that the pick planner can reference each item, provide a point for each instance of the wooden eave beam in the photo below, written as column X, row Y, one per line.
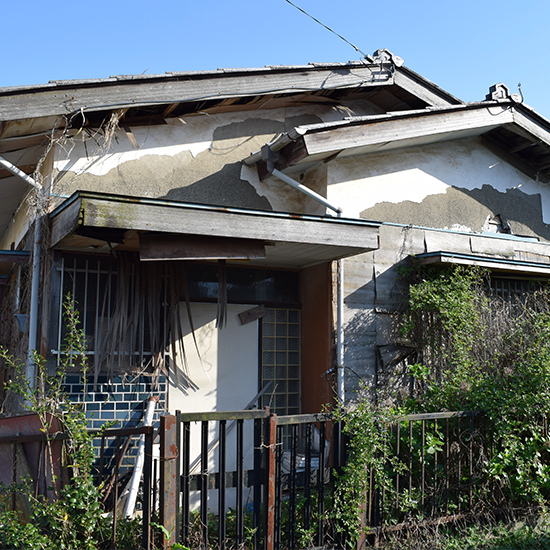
column 14, row 256
column 405, row 127
column 91, row 210
column 516, row 267
column 422, row 88
column 28, row 169
column 496, row 147
column 114, row 94
column 19, row 143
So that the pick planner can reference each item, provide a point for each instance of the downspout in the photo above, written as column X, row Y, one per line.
column 33, row 314
column 306, row 191
column 36, row 258
column 270, row 157
column 16, row 172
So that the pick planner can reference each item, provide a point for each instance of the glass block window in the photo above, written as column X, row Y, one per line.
column 280, row 360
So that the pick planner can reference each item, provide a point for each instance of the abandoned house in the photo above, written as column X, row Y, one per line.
column 232, row 238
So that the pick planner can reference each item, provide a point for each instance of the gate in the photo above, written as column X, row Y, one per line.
column 245, row 478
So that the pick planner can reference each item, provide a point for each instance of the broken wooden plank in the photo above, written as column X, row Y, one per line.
column 251, row 315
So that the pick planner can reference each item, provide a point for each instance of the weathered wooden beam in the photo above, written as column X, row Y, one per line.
column 66, row 97
column 422, row 88
column 223, row 415
column 405, row 127
column 251, row 315
column 197, row 247
column 14, row 256
column 95, row 210
column 494, row 146
column 169, row 494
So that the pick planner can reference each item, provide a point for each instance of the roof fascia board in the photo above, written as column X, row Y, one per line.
column 537, row 126
column 423, row 88
column 513, row 160
column 60, row 100
column 406, row 127
column 119, row 212
column 495, row 264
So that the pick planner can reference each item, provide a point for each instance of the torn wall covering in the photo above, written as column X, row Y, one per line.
column 181, row 160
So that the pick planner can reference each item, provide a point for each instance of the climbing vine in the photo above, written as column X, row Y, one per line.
column 477, row 350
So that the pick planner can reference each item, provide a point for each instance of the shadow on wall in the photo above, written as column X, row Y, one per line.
column 214, row 176
column 376, row 353
column 224, row 188
column 468, row 209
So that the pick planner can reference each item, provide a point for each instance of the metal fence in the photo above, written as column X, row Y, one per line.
column 112, row 474
column 441, row 457
column 230, row 480
column 252, row 479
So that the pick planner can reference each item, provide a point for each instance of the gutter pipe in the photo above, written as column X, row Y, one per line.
column 270, row 157
column 16, row 172
column 36, row 259
column 306, row 191
column 136, row 475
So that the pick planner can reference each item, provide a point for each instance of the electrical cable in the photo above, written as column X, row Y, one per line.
column 365, row 56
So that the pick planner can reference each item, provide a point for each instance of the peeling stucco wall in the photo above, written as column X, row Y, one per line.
column 195, row 158
column 452, row 185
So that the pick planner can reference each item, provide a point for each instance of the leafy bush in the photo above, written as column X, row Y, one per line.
column 475, row 351
column 73, row 518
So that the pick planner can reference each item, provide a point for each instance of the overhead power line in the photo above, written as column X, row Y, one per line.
column 365, row 56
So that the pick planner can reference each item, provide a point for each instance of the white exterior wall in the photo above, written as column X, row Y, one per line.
column 360, row 183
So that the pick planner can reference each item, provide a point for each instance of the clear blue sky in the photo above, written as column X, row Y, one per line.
column 464, row 47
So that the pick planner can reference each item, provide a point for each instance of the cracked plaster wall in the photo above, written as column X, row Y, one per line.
column 450, row 185
column 193, row 159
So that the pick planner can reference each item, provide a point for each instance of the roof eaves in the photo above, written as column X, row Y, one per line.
column 430, row 84
column 300, row 131
column 178, row 74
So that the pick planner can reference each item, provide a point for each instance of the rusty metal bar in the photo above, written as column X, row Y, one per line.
column 397, row 452
column 422, row 455
column 292, row 488
column 14, row 475
column 155, row 486
column 146, row 512
column 447, row 454
column 279, row 489
column 185, row 511
column 321, row 483
column 434, row 496
column 269, row 487
column 239, row 511
column 307, row 480
column 439, row 415
column 472, row 426
column 257, row 490
column 204, row 484
column 410, row 456
column 222, row 451
column 459, row 472
column 116, row 494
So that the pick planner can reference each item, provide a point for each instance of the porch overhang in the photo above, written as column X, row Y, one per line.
column 511, row 130
column 8, row 258
column 496, row 265
column 96, row 222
